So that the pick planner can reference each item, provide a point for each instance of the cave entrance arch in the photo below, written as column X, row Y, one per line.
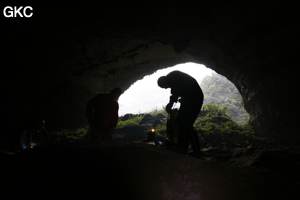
column 145, row 96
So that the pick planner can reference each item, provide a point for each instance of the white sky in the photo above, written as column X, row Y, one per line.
column 145, row 95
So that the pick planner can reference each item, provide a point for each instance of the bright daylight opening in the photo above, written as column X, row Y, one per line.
column 145, row 95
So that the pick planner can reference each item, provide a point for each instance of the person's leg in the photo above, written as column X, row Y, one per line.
column 106, row 136
column 99, row 134
column 184, row 122
column 187, row 116
column 189, row 135
column 94, row 134
column 183, row 139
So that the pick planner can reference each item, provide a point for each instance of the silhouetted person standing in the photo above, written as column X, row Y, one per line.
column 102, row 114
column 33, row 134
column 187, row 89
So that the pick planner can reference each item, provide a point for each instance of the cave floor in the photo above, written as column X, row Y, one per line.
column 140, row 171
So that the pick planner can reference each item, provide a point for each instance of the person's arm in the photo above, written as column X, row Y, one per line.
column 114, row 116
column 173, row 99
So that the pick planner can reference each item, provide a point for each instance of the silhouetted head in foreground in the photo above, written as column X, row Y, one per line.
column 163, row 82
column 116, row 93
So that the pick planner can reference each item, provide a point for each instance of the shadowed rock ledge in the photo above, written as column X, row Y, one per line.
column 134, row 171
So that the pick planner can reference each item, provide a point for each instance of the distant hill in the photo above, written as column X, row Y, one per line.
column 218, row 89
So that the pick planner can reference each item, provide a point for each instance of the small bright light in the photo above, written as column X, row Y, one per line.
column 145, row 95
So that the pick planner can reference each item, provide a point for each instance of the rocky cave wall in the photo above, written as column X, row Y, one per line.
column 56, row 61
